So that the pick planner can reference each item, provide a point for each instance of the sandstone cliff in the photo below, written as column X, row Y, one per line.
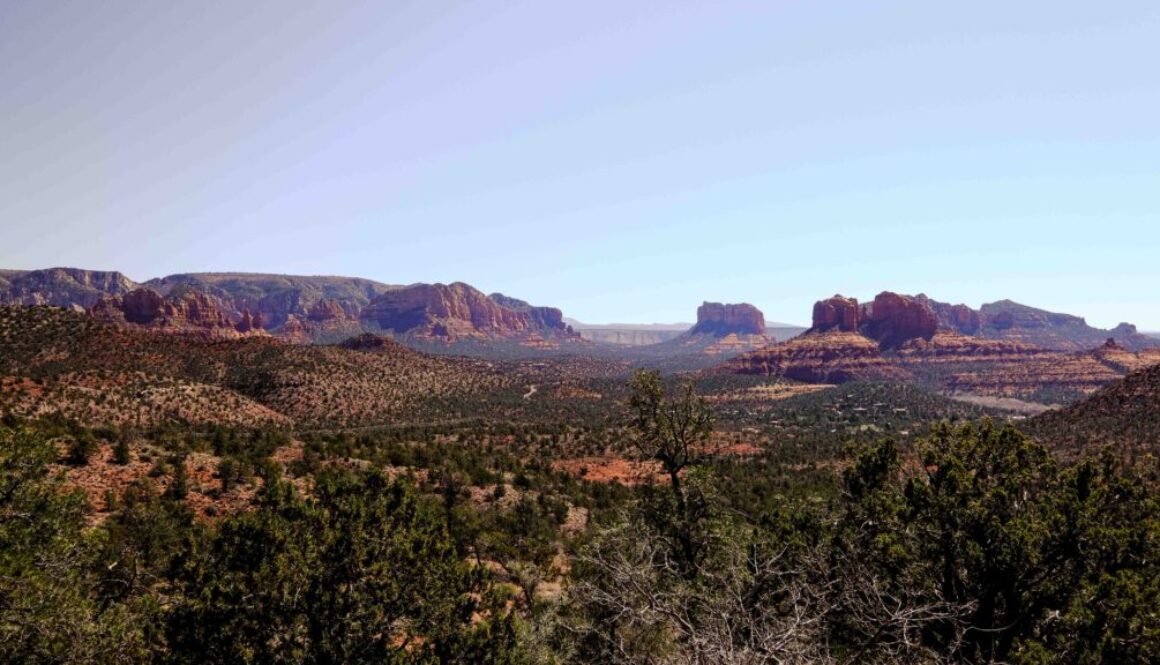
column 319, row 301
column 61, row 287
column 182, row 311
column 719, row 320
column 891, row 319
column 836, row 313
column 459, row 311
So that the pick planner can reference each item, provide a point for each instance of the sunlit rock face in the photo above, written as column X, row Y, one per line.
column 714, row 318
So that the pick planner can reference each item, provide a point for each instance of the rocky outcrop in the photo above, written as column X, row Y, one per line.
column 718, row 320
column 947, row 362
column 249, row 322
column 295, row 331
column 455, row 311
column 187, row 310
column 893, row 319
column 836, row 313
column 326, row 310
column 549, row 318
column 141, row 306
column 278, row 297
column 956, row 318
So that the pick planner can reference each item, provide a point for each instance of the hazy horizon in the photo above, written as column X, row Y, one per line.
column 621, row 162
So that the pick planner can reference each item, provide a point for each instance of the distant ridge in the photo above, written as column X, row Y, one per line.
column 325, row 309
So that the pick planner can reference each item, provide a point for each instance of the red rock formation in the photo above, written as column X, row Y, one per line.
column 196, row 309
column 142, row 306
column 718, row 320
column 326, row 310
column 457, row 310
column 836, row 313
column 294, row 331
column 957, row 318
column 893, row 319
column 246, row 324
column 187, row 310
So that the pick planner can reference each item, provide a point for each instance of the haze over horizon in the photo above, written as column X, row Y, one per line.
column 621, row 162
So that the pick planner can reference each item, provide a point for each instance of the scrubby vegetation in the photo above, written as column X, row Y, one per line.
column 468, row 542
column 177, row 498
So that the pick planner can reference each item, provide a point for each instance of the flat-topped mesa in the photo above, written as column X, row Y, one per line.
column 458, row 310
column 719, row 320
column 61, row 287
column 836, row 313
column 551, row 318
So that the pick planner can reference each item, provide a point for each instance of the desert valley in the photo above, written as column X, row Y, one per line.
column 579, row 333
column 189, row 399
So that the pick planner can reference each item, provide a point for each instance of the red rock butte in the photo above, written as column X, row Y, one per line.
column 714, row 318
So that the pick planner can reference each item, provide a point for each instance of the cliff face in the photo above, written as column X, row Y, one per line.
column 322, row 303
column 958, row 318
column 836, row 313
column 891, row 319
column 455, row 311
column 549, row 318
column 61, row 287
column 187, row 310
column 719, row 320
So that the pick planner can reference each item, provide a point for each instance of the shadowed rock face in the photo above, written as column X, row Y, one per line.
column 893, row 319
column 890, row 320
column 182, row 311
column 717, row 319
column 836, row 313
column 957, row 318
column 458, row 311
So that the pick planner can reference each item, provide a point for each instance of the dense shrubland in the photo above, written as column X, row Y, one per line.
column 966, row 542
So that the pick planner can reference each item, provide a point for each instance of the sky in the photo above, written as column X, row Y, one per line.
column 623, row 161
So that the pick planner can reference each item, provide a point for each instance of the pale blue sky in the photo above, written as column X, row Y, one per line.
column 621, row 160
